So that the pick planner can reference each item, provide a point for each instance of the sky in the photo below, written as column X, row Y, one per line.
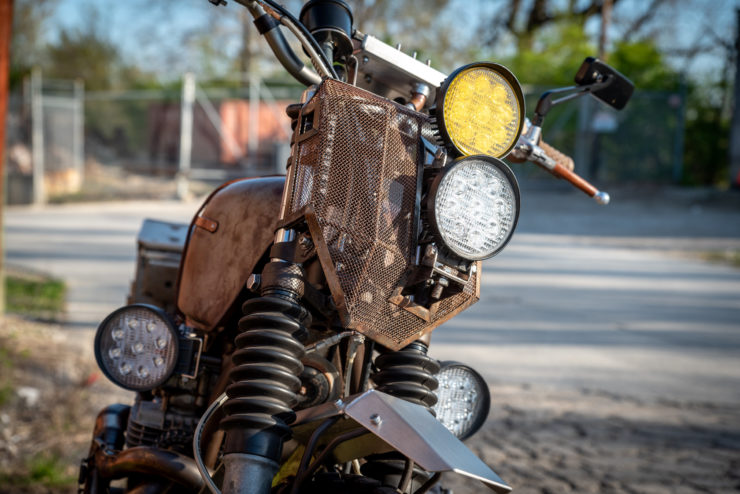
column 151, row 31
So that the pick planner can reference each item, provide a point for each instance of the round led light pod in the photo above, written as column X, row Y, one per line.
column 480, row 110
column 473, row 207
column 137, row 347
column 463, row 399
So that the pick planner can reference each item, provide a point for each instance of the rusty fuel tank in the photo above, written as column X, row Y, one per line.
column 227, row 237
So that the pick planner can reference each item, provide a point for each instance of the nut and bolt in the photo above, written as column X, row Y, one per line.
column 305, row 242
column 375, row 419
column 253, row 282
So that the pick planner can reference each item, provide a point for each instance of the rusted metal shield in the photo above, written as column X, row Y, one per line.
column 357, row 166
column 228, row 236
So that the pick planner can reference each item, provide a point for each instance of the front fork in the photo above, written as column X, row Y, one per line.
column 265, row 383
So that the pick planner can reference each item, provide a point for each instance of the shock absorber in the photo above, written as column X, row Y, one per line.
column 408, row 373
column 267, row 363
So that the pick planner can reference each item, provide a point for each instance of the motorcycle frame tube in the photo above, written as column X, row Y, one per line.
column 146, row 460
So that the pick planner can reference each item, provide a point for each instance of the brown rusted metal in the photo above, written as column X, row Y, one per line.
column 418, row 100
column 215, row 265
column 170, row 465
column 109, row 462
column 355, row 174
column 330, row 271
column 206, row 223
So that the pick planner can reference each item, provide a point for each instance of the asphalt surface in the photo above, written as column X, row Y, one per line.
column 585, row 297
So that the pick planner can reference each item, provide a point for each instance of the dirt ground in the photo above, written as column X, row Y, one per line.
column 543, row 442
column 50, row 393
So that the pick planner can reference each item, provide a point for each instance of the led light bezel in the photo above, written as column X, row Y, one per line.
column 484, row 398
column 507, row 75
column 170, row 327
column 431, row 204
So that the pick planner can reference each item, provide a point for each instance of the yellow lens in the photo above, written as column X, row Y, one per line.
column 482, row 113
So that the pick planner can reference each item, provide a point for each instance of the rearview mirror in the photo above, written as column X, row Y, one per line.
column 616, row 93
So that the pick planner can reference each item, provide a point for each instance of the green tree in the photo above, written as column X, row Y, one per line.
column 85, row 55
column 30, row 19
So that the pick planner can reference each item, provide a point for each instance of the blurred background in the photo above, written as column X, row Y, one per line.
column 97, row 87
column 94, row 142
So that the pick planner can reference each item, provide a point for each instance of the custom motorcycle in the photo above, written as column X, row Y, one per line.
column 280, row 341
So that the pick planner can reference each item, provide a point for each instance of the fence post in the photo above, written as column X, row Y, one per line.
column 680, row 131
column 78, row 134
column 37, row 137
column 584, row 138
column 186, row 134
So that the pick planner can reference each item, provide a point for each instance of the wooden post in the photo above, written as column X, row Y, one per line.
column 6, row 24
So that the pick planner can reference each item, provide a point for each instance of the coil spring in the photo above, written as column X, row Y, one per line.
column 267, row 363
column 408, row 374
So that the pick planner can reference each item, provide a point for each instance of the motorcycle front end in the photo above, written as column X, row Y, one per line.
column 280, row 341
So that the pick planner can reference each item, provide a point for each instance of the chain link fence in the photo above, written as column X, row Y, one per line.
column 643, row 143
column 45, row 139
column 79, row 141
column 226, row 133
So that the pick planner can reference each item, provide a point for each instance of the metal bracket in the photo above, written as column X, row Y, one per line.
column 193, row 337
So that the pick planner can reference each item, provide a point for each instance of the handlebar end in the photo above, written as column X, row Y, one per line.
column 602, row 198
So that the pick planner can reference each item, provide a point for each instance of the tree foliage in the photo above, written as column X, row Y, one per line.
column 26, row 47
column 542, row 41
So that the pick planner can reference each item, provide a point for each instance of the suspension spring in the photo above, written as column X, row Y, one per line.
column 409, row 374
column 267, row 363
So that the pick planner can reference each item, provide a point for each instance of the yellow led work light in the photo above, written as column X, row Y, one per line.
column 480, row 110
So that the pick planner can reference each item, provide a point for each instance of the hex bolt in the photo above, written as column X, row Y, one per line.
column 253, row 282
column 375, row 419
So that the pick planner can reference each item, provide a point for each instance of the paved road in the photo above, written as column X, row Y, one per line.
column 91, row 246
column 583, row 298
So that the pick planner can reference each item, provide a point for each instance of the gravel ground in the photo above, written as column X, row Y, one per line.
column 540, row 441
column 550, row 440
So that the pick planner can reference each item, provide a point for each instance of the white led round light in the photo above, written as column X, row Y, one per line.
column 137, row 347
column 463, row 399
column 475, row 207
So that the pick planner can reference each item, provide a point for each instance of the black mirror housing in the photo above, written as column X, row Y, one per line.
column 616, row 94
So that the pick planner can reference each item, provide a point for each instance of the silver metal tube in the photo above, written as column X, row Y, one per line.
column 248, row 474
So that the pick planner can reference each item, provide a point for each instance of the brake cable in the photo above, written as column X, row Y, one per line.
column 315, row 53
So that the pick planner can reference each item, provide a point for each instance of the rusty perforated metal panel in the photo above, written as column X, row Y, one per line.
column 356, row 167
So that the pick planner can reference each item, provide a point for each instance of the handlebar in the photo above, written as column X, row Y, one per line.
column 559, row 158
column 532, row 148
column 564, row 169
